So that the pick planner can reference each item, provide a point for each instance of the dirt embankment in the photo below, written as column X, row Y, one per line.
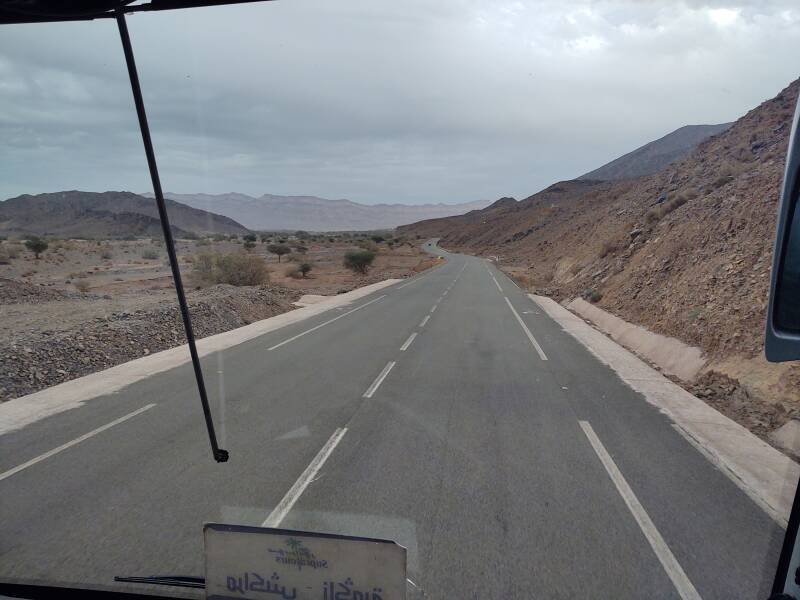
column 685, row 252
column 104, row 337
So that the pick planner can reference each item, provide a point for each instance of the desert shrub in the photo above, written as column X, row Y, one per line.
column 249, row 245
column 233, row 269
column 301, row 249
column 219, row 237
column 82, row 285
column 203, row 242
column 695, row 312
column 278, row 250
column 264, row 238
column 368, row 245
column 608, row 247
column 13, row 250
column 149, row 254
column 294, row 272
column 190, row 235
column 652, row 216
column 592, row 295
column 305, row 268
column 106, row 254
column 359, row 261
column 249, row 238
column 377, row 238
column 4, row 258
column 36, row 245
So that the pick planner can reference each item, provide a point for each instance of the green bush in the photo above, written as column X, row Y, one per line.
column 36, row 245
column 592, row 295
column 234, row 269
column 359, row 261
column 279, row 250
column 305, row 268
column 250, row 238
column 149, row 254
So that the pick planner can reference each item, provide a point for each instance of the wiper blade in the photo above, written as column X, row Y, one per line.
column 171, row 580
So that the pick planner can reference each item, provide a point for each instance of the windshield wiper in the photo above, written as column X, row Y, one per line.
column 171, row 580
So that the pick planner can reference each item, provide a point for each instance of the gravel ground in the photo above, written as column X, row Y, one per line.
column 35, row 358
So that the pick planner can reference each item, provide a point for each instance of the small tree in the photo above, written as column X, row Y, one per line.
column 359, row 261
column 264, row 238
column 377, row 238
column 305, row 268
column 279, row 250
column 250, row 237
column 249, row 245
column 36, row 245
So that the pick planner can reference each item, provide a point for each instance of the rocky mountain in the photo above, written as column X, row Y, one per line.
column 685, row 251
column 656, row 155
column 104, row 215
column 310, row 213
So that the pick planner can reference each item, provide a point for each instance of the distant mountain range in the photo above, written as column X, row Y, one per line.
column 656, row 155
column 104, row 215
column 310, row 213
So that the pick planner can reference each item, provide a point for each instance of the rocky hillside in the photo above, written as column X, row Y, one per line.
column 685, row 252
column 104, row 215
column 310, row 213
column 656, row 155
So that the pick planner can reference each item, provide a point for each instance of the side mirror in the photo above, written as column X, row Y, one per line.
column 783, row 321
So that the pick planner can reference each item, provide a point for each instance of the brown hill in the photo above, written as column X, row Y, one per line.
column 685, row 252
column 656, row 155
column 104, row 215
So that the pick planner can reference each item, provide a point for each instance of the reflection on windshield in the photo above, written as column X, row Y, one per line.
column 557, row 394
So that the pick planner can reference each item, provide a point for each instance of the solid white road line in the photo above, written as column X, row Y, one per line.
column 425, row 320
column 434, row 307
column 410, row 339
column 497, row 284
column 527, row 331
column 674, row 570
column 285, row 505
column 379, row 380
column 328, row 322
column 78, row 440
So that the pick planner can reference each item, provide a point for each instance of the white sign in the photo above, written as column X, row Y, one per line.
column 259, row 563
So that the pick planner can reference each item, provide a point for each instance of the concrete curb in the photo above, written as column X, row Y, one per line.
column 669, row 354
column 22, row 411
column 767, row 476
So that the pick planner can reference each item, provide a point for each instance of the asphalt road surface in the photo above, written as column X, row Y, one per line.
column 452, row 416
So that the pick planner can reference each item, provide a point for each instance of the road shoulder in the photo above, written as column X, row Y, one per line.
column 766, row 475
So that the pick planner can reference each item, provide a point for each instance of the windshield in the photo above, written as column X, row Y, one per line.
column 488, row 280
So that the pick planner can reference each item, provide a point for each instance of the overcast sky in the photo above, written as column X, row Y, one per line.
column 379, row 101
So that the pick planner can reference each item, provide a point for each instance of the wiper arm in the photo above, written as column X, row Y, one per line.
column 171, row 580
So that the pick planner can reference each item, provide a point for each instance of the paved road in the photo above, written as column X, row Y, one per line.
column 470, row 428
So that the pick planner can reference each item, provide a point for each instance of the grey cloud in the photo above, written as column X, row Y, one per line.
column 379, row 101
